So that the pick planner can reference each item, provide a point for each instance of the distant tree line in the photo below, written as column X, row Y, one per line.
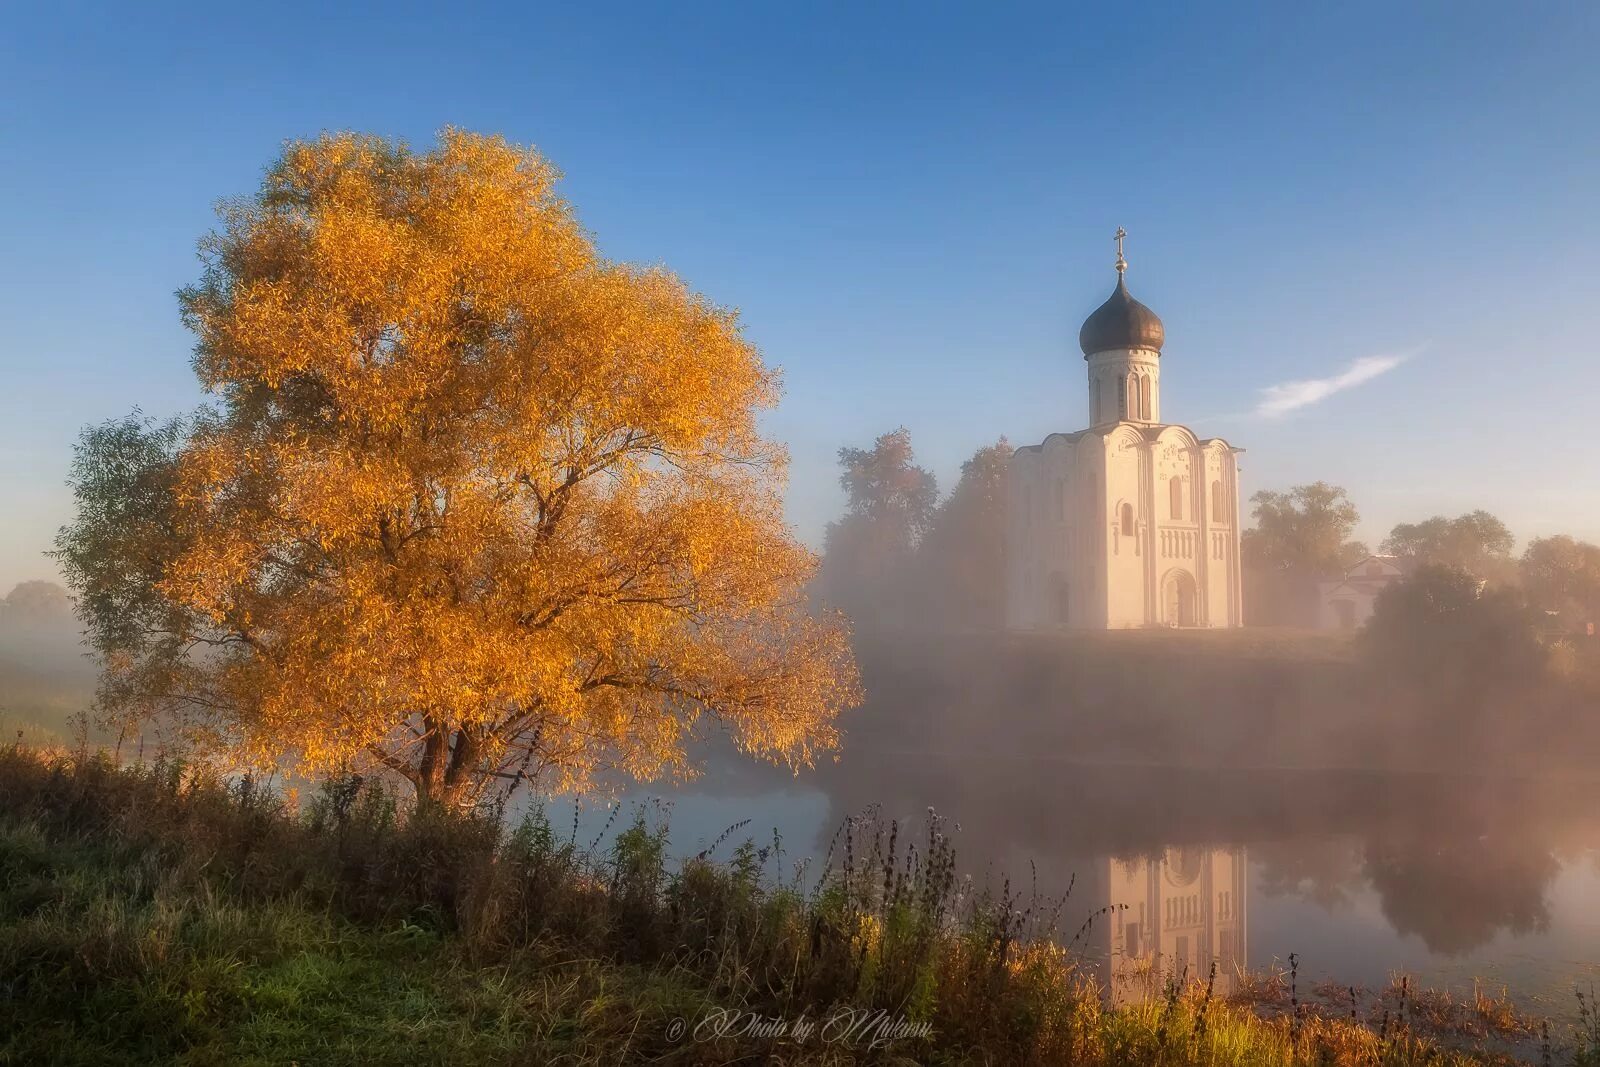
column 1302, row 537
column 1469, row 621
column 902, row 555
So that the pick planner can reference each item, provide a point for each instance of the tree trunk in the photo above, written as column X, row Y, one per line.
column 447, row 776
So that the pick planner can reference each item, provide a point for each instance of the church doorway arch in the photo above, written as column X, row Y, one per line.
column 1178, row 596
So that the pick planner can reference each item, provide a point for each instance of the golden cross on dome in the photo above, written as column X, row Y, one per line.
column 1122, row 264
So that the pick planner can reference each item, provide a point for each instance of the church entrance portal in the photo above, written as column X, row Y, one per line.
column 1180, row 599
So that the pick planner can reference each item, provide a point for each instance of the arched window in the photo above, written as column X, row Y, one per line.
column 1144, row 396
column 1218, row 514
column 1061, row 500
column 1122, row 398
column 1063, row 600
column 1175, row 494
column 1127, row 520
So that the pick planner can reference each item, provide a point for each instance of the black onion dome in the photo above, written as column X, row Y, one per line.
column 1121, row 322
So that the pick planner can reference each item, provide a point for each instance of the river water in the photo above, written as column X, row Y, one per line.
column 1456, row 880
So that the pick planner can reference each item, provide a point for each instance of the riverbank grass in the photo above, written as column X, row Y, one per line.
column 158, row 914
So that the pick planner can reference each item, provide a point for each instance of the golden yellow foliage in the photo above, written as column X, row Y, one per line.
column 476, row 499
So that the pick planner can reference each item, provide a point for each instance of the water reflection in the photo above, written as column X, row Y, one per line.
column 1174, row 916
column 1453, row 860
column 1449, row 877
column 1457, row 894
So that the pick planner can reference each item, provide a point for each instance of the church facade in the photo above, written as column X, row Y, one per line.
column 1132, row 522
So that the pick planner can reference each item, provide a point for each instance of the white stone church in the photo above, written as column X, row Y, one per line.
column 1132, row 522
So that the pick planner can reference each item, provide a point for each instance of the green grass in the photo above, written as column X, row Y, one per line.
column 105, row 960
column 156, row 915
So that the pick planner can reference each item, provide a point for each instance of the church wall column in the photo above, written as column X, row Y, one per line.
column 1152, row 557
column 1199, row 480
column 1235, row 564
column 1241, row 890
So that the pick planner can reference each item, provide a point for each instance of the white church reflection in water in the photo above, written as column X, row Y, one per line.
column 1171, row 917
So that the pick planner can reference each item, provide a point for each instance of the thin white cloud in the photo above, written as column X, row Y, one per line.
column 1279, row 400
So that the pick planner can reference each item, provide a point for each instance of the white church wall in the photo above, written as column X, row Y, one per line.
column 1221, row 538
column 1178, row 533
column 1092, row 517
column 1063, row 585
column 1125, row 562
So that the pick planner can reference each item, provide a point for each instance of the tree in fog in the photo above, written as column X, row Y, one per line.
column 884, row 485
column 1476, row 542
column 1300, row 536
column 869, row 553
column 1563, row 574
column 1306, row 529
column 1443, row 632
column 36, row 601
column 475, row 501
column 962, row 558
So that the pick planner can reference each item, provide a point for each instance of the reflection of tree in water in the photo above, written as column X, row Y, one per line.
column 1325, row 871
column 1453, row 887
column 1458, row 893
column 1454, row 859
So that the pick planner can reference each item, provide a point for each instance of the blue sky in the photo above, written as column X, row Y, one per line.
column 912, row 207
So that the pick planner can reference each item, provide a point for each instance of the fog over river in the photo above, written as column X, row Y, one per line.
column 1217, row 803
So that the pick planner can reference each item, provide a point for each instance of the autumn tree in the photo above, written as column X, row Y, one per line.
column 869, row 552
column 473, row 502
column 1476, row 542
column 38, row 600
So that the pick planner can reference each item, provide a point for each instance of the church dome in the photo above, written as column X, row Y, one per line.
column 1121, row 322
